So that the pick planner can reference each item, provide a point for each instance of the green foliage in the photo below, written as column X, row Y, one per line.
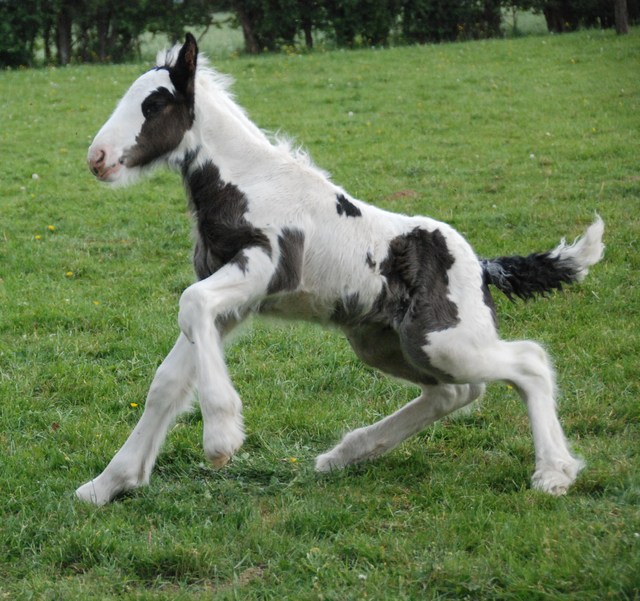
column 445, row 20
column 20, row 25
column 514, row 142
column 569, row 15
column 110, row 31
column 98, row 31
column 273, row 23
column 94, row 30
column 368, row 22
column 171, row 17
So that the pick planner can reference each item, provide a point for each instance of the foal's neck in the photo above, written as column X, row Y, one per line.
column 226, row 136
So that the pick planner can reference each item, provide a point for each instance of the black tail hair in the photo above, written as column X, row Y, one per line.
column 541, row 273
column 526, row 277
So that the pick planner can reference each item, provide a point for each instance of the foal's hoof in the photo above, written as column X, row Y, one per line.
column 327, row 462
column 96, row 493
column 555, row 479
column 218, row 461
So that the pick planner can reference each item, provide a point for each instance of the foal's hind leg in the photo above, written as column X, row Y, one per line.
column 526, row 365
column 372, row 441
column 171, row 393
column 556, row 468
column 379, row 346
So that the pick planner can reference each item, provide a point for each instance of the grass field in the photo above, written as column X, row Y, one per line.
column 516, row 143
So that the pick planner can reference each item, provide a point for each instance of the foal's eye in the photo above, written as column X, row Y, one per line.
column 151, row 107
column 154, row 103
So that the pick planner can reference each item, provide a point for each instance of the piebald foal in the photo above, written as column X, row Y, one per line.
column 275, row 236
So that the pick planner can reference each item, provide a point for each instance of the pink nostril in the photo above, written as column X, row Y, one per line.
column 96, row 160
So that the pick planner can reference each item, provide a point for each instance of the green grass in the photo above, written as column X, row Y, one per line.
column 516, row 143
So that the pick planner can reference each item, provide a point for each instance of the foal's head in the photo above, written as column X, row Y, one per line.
column 150, row 122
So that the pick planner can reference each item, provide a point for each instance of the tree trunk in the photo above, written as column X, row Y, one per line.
column 63, row 35
column 103, row 35
column 308, row 36
column 553, row 17
column 622, row 16
column 493, row 17
column 46, row 42
column 250, row 42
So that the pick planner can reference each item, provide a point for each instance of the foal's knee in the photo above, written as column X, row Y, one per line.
column 456, row 396
column 532, row 359
column 532, row 352
column 475, row 392
column 192, row 308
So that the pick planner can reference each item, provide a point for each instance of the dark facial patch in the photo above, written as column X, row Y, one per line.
column 223, row 231
column 347, row 208
column 415, row 296
column 370, row 262
column 289, row 270
column 168, row 115
column 167, row 119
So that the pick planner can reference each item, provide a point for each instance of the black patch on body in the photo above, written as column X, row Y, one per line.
column 412, row 304
column 223, row 231
column 414, row 299
column 416, row 285
column 417, row 282
column 346, row 207
column 527, row 277
column 289, row 269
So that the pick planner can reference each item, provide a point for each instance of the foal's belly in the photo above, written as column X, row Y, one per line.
column 297, row 306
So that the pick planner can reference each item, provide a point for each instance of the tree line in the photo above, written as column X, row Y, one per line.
column 65, row 31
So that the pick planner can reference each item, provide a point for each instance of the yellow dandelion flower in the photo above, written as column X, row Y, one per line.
column 69, row 274
column 134, row 405
column 96, row 303
column 51, row 228
column 38, row 237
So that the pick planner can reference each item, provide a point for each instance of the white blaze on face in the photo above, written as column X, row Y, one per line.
column 107, row 151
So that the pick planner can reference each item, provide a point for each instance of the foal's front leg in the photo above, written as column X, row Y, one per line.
column 204, row 306
column 170, row 393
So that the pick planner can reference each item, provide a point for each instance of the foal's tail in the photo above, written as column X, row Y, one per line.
column 540, row 273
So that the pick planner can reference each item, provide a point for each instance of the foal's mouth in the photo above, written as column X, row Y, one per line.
column 106, row 173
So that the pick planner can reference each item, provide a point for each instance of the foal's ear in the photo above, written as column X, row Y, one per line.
column 183, row 72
